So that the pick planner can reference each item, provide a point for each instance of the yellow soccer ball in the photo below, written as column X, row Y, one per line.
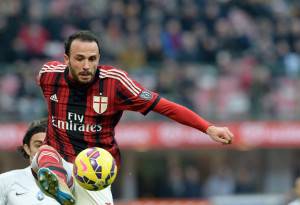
column 94, row 169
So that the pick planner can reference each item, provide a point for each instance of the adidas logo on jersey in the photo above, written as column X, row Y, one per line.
column 54, row 98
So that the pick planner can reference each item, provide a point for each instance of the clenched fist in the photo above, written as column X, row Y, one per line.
column 220, row 134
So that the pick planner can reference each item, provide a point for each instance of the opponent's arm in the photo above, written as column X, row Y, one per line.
column 187, row 117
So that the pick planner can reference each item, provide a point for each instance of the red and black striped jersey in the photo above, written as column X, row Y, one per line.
column 81, row 116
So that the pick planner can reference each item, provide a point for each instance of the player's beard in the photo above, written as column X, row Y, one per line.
column 75, row 76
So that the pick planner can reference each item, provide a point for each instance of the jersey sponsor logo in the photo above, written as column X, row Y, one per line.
column 100, row 104
column 145, row 94
column 75, row 125
column 54, row 98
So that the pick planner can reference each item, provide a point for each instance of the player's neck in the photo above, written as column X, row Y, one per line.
column 71, row 78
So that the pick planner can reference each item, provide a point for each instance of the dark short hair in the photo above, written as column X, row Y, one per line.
column 83, row 35
column 34, row 127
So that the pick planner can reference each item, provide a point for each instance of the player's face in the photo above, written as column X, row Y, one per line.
column 35, row 142
column 83, row 60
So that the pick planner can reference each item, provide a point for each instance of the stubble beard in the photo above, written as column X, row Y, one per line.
column 76, row 77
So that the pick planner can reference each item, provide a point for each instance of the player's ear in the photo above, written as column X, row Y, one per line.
column 66, row 59
column 26, row 149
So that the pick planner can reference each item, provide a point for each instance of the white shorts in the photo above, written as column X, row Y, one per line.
column 83, row 196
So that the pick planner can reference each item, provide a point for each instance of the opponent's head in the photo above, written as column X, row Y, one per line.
column 82, row 54
column 33, row 138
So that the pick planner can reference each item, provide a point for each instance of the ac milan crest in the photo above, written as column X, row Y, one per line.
column 100, row 104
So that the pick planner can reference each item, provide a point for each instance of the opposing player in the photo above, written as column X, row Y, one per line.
column 85, row 102
column 19, row 186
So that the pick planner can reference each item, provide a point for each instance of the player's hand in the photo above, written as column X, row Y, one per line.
column 220, row 134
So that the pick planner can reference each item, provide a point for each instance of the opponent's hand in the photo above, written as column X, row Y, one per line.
column 220, row 134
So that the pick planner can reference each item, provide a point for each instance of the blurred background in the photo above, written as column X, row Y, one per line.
column 235, row 62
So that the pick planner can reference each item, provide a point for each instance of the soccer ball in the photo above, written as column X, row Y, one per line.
column 94, row 169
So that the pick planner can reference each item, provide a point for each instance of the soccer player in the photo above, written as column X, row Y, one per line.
column 85, row 103
column 19, row 186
